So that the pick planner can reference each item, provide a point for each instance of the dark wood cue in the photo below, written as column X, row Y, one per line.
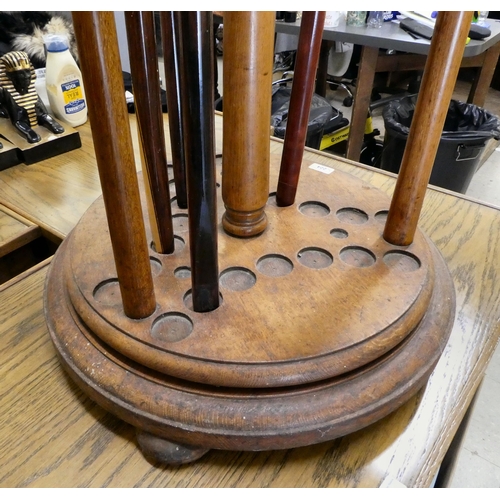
column 102, row 76
column 146, row 84
column 440, row 74
column 197, row 94
column 247, row 81
column 311, row 32
column 171, row 54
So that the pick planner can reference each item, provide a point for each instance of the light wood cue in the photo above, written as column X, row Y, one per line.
column 197, row 95
column 101, row 71
column 247, row 81
column 440, row 74
column 311, row 32
column 171, row 54
column 146, row 84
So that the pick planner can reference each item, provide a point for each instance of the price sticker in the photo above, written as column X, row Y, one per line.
column 321, row 168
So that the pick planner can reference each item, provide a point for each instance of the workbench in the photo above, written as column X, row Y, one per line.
column 52, row 435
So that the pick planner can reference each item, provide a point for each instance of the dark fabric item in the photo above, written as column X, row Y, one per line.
column 321, row 112
column 462, row 121
column 466, row 131
column 24, row 31
column 127, row 83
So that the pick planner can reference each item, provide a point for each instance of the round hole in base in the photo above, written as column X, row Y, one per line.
column 339, row 233
column 352, row 215
column 188, row 300
column 315, row 258
column 155, row 266
column 382, row 215
column 108, row 293
column 171, row 327
column 237, row 279
column 314, row 209
column 179, row 245
column 274, row 265
column 271, row 200
column 402, row 261
column 357, row 256
column 182, row 272
column 180, row 223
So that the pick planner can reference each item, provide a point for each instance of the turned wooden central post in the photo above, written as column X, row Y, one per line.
column 248, row 67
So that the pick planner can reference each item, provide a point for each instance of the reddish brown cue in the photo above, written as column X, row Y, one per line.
column 146, row 84
column 101, row 71
column 440, row 74
column 171, row 54
column 247, row 81
column 311, row 32
column 197, row 95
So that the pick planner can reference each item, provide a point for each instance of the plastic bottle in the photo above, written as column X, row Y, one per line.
column 64, row 82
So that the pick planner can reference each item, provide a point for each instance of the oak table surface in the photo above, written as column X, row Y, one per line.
column 52, row 435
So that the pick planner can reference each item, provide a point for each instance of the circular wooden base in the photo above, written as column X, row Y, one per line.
column 323, row 329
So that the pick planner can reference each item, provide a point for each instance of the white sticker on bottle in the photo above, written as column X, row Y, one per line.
column 321, row 168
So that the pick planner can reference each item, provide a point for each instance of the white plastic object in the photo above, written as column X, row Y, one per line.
column 64, row 82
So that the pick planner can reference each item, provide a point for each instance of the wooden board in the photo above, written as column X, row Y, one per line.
column 305, row 357
column 53, row 435
column 320, row 262
column 49, row 145
column 15, row 231
column 9, row 154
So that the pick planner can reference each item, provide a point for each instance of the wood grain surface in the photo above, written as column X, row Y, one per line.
column 52, row 435
column 374, row 305
column 15, row 231
column 54, row 193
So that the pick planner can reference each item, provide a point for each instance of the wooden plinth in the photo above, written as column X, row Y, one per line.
column 323, row 327
column 50, row 144
column 9, row 154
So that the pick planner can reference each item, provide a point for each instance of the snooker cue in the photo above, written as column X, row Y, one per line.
column 96, row 37
column 146, row 84
column 311, row 32
column 196, row 31
column 171, row 53
column 438, row 82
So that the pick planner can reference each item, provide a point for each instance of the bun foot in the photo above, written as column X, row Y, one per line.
column 157, row 449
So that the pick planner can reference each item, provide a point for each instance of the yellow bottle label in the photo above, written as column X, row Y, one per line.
column 73, row 96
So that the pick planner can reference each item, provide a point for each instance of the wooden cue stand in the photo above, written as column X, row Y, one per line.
column 323, row 326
